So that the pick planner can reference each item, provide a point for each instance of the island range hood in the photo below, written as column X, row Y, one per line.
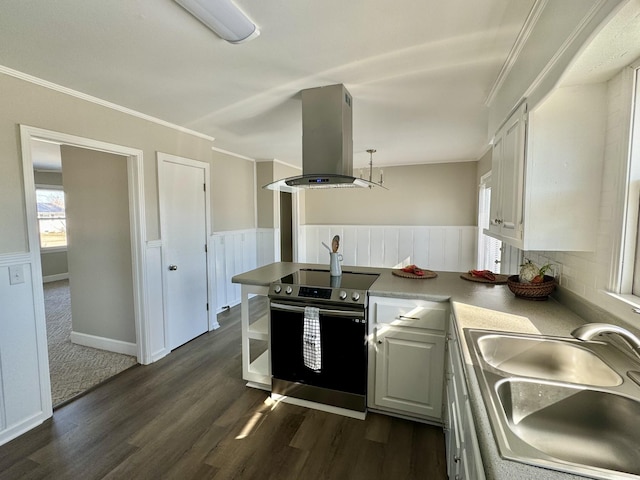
column 327, row 142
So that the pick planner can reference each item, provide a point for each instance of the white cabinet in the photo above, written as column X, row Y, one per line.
column 255, row 337
column 547, row 171
column 507, row 175
column 406, row 356
column 463, row 453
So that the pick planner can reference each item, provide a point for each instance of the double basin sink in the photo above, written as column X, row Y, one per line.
column 560, row 403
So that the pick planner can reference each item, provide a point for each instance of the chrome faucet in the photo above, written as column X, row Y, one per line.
column 590, row 330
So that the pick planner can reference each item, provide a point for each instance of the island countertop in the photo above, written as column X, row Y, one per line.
column 475, row 305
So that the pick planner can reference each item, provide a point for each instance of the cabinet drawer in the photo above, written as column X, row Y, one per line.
column 428, row 315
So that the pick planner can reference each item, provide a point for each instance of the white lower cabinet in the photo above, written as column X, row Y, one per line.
column 406, row 356
column 463, row 453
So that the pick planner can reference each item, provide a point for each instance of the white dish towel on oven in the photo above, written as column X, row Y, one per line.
column 311, row 339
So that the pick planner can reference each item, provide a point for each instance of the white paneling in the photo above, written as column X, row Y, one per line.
column 363, row 246
column 218, row 272
column 420, row 246
column 235, row 252
column 158, row 347
column 391, row 246
column 348, row 245
column 266, row 246
column 376, row 247
column 25, row 389
column 406, row 245
column 436, row 249
column 450, row 249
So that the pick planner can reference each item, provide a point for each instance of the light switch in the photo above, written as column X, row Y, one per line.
column 16, row 274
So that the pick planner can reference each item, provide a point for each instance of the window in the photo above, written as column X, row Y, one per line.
column 489, row 249
column 52, row 222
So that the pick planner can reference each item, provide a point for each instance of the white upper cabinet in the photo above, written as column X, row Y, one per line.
column 508, row 177
column 546, row 195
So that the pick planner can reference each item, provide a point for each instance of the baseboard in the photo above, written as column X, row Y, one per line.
column 108, row 344
column 55, row 278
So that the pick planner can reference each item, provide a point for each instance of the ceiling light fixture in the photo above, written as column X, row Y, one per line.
column 223, row 17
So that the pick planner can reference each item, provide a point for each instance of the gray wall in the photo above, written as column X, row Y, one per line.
column 232, row 196
column 436, row 195
column 99, row 246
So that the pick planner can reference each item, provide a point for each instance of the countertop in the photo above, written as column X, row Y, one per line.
column 475, row 305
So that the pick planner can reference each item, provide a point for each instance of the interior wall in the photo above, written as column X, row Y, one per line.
column 265, row 198
column 233, row 190
column 30, row 104
column 99, row 245
column 585, row 273
column 435, row 194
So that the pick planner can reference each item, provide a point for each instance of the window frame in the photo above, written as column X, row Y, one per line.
column 42, row 186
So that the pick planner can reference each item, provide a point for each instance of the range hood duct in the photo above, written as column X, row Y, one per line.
column 327, row 142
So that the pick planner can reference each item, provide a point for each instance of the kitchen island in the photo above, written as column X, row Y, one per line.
column 473, row 305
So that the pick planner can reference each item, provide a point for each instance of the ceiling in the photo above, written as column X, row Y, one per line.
column 419, row 71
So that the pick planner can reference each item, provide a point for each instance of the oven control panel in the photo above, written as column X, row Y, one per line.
column 303, row 292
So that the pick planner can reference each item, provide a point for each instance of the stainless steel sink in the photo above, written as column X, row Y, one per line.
column 559, row 404
column 586, row 427
column 545, row 358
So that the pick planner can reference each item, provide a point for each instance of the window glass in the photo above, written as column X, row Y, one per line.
column 52, row 222
column 489, row 249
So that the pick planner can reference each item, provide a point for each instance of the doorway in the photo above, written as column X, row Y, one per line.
column 86, row 269
column 286, row 227
column 135, row 193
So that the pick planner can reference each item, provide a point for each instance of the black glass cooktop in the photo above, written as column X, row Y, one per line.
column 322, row 278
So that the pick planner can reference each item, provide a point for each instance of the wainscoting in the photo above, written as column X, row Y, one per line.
column 446, row 249
column 236, row 252
column 24, row 374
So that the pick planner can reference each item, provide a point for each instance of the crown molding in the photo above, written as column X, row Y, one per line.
column 98, row 101
column 515, row 51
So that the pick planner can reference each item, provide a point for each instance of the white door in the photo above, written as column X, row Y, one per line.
column 183, row 221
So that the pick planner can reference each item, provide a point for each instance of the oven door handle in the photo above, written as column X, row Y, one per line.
column 323, row 311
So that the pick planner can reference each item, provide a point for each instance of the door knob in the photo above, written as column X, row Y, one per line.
column 173, row 267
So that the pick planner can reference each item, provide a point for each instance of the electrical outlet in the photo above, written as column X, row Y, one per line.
column 16, row 274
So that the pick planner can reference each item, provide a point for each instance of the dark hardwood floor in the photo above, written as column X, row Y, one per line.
column 190, row 416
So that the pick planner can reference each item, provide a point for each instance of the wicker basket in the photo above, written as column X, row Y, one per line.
column 531, row 291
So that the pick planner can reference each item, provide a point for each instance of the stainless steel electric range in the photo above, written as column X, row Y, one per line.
column 319, row 337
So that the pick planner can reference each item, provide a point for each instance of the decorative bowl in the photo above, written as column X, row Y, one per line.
column 532, row 291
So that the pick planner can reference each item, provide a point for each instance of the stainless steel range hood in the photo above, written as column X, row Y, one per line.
column 327, row 142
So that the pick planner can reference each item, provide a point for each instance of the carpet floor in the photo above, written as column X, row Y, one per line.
column 73, row 368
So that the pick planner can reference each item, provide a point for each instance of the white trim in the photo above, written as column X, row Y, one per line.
column 514, row 53
column 244, row 230
column 233, row 154
column 102, row 343
column 137, row 223
column 98, row 101
column 154, row 244
column 55, row 278
column 8, row 259
column 47, row 250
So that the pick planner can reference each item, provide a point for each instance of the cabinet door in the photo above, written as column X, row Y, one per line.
column 409, row 371
column 495, row 208
column 507, row 191
column 513, row 149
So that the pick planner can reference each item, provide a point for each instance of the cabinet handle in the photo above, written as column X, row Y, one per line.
column 379, row 342
column 456, row 458
column 497, row 221
column 404, row 317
